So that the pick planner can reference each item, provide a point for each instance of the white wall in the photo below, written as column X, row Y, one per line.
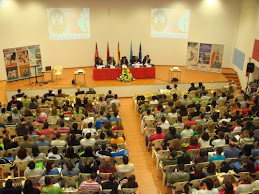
column 247, row 32
column 24, row 22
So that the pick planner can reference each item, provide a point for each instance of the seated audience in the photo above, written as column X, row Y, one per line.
column 179, row 175
column 58, row 141
column 32, row 170
column 218, row 155
column 50, row 188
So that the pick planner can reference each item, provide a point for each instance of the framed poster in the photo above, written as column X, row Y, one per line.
column 204, row 57
column 192, row 55
column 217, row 51
column 19, row 62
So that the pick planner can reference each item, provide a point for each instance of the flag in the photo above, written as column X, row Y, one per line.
column 140, row 52
column 119, row 54
column 108, row 51
column 131, row 53
column 96, row 52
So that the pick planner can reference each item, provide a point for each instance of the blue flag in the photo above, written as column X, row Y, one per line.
column 140, row 52
column 131, row 53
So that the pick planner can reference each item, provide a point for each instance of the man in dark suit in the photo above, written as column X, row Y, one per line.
column 146, row 60
column 124, row 61
column 98, row 61
column 135, row 59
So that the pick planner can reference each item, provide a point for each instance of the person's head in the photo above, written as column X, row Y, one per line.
column 70, row 151
column 208, row 183
column 211, row 169
column 175, row 86
column 90, row 125
column 102, row 135
column 48, row 181
column 3, row 110
column 15, row 111
column 205, row 136
column 55, row 150
column 158, row 130
column 9, row 184
column 22, row 153
column 232, row 145
column 109, row 92
column 180, row 167
column 19, row 91
column 35, row 151
column 173, row 154
column 116, row 113
column 221, row 135
column 219, row 150
column 198, row 170
column 207, row 108
column 125, row 159
column 168, row 87
column 192, row 84
column 9, row 118
column 58, row 135
column 43, row 101
column 193, row 141
column 189, row 117
column 176, row 144
column 131, row 180
column 61, row 123
column 202, row 115
column 88, row 136
column 203, row 153
column 31, row 165
column 163, row 119
column 46, row 125
column 188, row 126
column 148, row 112
column 228, row 188
column 25, row 137
column 107, row 161
column 49, row 166
column 174, row 96
column 214, row 117
column 114, row 147
column 75, row 126
column 103, row 146
column 42, row 138
column 172, row 130
column 28, row 187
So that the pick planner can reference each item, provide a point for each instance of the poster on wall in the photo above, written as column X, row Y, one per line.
column 35, row 59
column 192, row 55
column 23, row 62
column 10, row 60
column 19, row 62
column 204, row 57
column 217, row 51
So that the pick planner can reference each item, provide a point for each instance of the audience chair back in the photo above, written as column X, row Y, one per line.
column 128, row 190
column 12, row 131
column 5, row 168
column 54, row 178
column 34, row 179
column 13, row 151
column 71, row 181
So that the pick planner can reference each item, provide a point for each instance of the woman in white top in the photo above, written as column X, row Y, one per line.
column 219, row 142
column 245, row 185
column 54, row 154
column 204, row 140
column 173, row 113
column 22, row 156
column 89, row 129
column 188, row 132
column 238, row 127
column 179, row 123
column 37, row 155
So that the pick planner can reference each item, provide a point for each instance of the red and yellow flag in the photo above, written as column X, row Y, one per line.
column 119, row 54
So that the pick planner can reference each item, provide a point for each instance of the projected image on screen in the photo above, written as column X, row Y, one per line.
column 68, row 23
column 169, row 23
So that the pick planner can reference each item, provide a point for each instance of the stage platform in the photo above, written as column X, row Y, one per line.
column 210, row 80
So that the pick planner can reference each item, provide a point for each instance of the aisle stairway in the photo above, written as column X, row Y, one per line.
column 149, row 180
column 231, row 74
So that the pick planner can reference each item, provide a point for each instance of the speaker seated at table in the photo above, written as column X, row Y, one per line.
column 146, row 60
column 111, row 62
column 98, row 61
column 124, row 61
column 135, row 59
